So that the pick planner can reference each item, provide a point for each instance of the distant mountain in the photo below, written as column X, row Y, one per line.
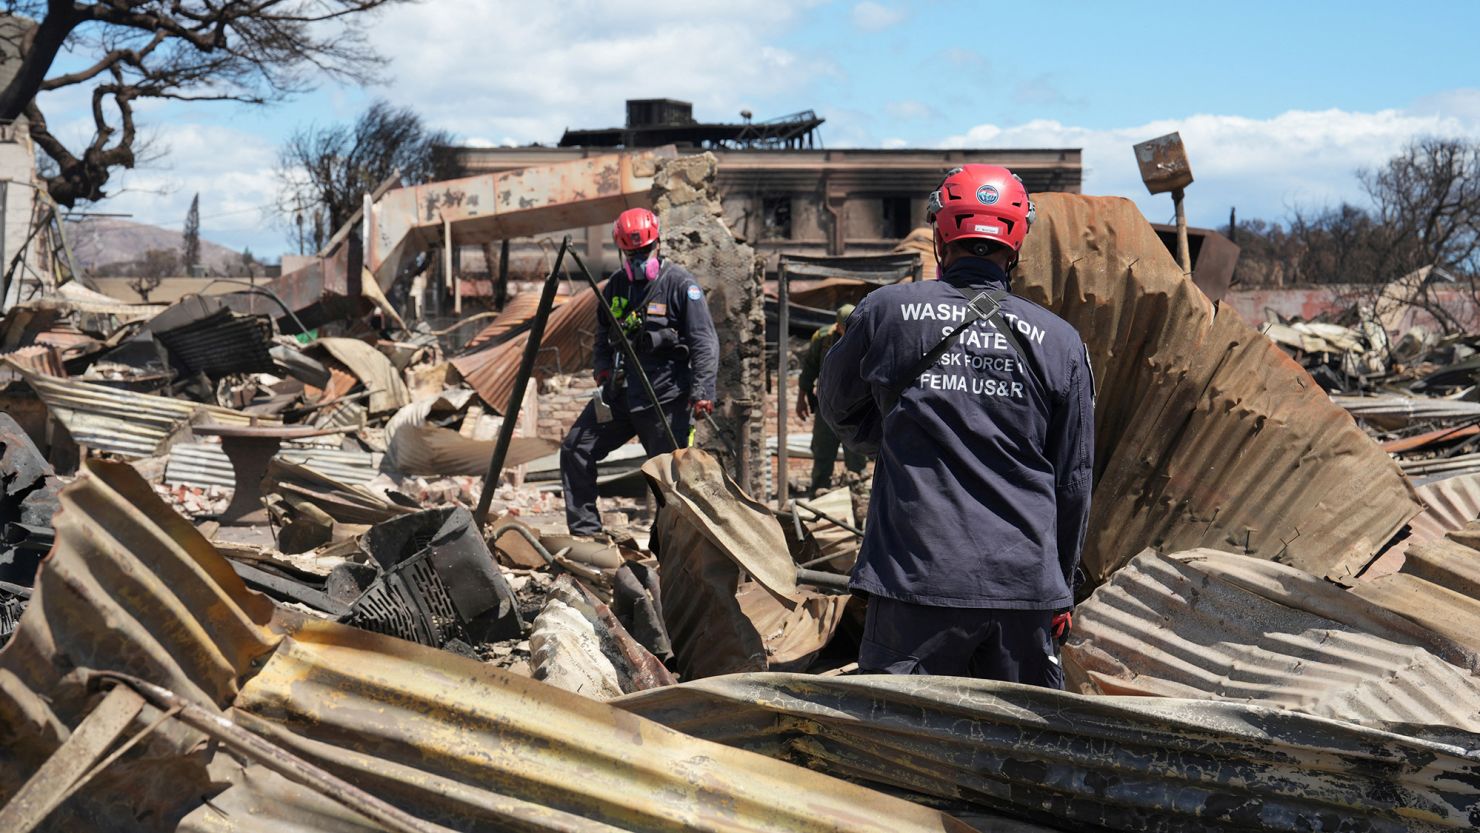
column 104, row 244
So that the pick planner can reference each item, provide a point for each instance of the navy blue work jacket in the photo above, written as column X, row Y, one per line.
column 668, row 322
column 982, row 483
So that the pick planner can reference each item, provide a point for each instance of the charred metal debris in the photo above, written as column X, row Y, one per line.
column 282, row 560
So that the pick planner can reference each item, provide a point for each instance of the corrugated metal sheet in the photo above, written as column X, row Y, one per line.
column 374, row 370
column 205, row 464
column 38, row 358
column 1401, row 410
column 1447, row 612
column 570, row 335
column 1450, row 504
column 1207, row 434
column 448, row 739
column 515, row 314
column 1087, row 763
column 122, row 422
column 1213, row 624
column 220, row 343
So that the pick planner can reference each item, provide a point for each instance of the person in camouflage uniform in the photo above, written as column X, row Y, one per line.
column 824, row 439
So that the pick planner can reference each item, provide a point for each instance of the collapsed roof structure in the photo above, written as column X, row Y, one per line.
column 163, row 679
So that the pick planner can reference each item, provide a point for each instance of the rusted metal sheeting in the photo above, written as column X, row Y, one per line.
column 122, row 422
column 515, row 314
column 1088, row 763
column 1447, row 612
column 130, row 586
column 1439, row 586
column 564, row 195
column 1212, row 624
column 1207, row 434
column 1450, row 504
column 45, row 359
column 447, row 739
column 567, row 345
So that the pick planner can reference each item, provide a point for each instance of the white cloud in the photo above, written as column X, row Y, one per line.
column 872, row 17
column 232, row 172
column 909, row 110
column 1265, row 167
column 529, row 71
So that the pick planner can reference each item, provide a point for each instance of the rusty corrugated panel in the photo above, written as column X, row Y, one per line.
column 1088, row 763
column 1442, row 610
column 1449, row 504
column 45, row 359
column 122, row 422
column 515, row 314
column 1212, row 624
column 446, row 738
column 1207, row 434
column 130, row 586
column 1439, row 586
column 570, row 337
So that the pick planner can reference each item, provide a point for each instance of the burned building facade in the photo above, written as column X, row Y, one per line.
column 781, row 191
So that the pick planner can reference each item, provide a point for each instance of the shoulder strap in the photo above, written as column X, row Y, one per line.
column 985, row 306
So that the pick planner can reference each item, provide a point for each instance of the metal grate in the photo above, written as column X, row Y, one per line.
column 411, row 602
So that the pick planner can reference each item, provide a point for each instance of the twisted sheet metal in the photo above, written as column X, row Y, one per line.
column 1450, row 503
column 121, row 422
column 1207, row 434
column 567, row 346
column 133, row 587
column 1211, row 624
column 515, row 314
column 1088, row 763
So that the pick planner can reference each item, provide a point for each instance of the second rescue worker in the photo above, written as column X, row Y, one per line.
column 981, row 406
column 664, row 315
column 824, row 438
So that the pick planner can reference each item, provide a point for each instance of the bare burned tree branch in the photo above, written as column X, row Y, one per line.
column 327, row 171
column 250, row 51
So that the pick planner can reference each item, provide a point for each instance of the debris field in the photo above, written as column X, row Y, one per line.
column 258, row 571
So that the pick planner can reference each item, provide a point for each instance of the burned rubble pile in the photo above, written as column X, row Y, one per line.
column 256, row 580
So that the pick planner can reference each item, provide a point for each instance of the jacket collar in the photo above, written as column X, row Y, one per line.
column 975, row 271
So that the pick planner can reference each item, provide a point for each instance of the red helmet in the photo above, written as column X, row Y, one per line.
column 986, row 202
column 635, row 228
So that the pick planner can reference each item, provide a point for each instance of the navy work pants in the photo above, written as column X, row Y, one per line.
column 1014, row 646
column 590, row 441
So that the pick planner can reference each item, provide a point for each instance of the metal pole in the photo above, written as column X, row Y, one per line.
column 447, row 267
column 521, row 383
column 1183, row 256
column 634, row 366
column 783, row 319
column 501, row 292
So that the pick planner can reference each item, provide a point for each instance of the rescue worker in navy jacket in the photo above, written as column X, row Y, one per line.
column 985, row 455
column 663, row 313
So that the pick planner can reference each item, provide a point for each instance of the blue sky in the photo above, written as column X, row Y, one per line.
column 1278, row 103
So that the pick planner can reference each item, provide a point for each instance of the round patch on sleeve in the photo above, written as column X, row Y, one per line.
column 695, row 293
